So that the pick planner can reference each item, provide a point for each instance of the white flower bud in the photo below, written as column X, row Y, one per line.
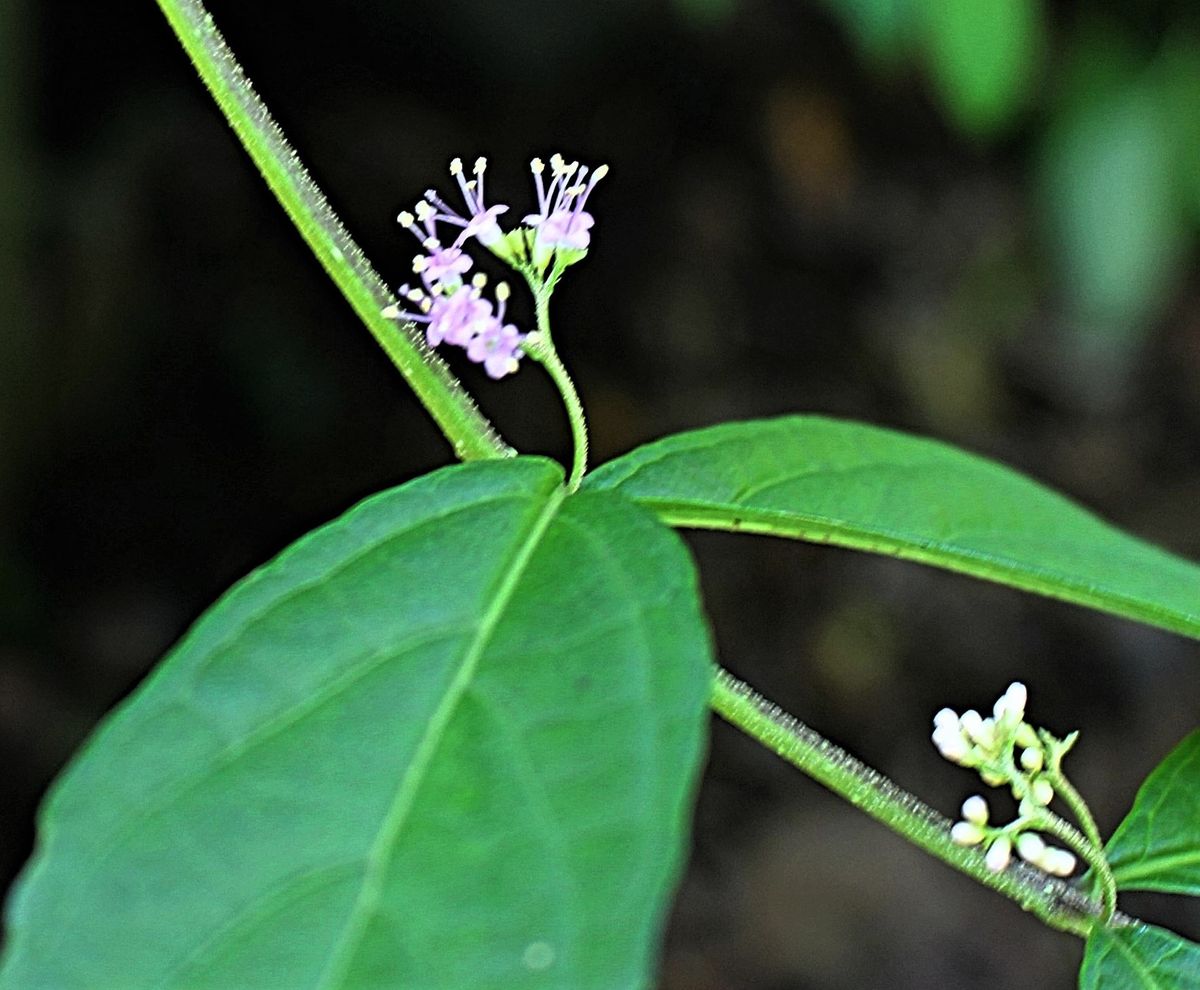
column 975, row 809
column 999, row 854
column 966, row 834
column 950, row 744
column 1016, row 697
column 971, row 722
column 1032, row 759
column 1042, row 791
column 947, row 716
column 1031, row 848
column 1059, row 862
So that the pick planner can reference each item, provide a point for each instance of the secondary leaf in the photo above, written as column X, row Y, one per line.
column 447, row 740
column 1140, row 957
column 860, row 486
column 1157, row 846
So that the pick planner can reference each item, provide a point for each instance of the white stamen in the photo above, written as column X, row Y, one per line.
column 456, row 166
column 405, row 219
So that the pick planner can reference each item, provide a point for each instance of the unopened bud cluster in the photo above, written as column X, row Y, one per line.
column 458, row 312
column 999, row 842
column 1006, row 751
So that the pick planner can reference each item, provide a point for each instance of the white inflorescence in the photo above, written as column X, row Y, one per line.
column 1005, row 750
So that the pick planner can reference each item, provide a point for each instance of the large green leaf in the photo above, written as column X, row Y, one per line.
column 448, row 740
column 1157, row 846
column 1139, row 957
column 872, row 489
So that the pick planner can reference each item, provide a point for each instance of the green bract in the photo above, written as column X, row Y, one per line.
column 448, row 740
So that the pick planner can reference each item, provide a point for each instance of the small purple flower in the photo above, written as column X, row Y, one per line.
column 464, row 318
column 498, row 349
column 442, row 267
column 458, row 317
column 498, row 345
column 561, row 220
column 451, row 317
column 480, row 222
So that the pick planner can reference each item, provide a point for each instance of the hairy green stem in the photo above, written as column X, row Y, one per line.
column 1091, row 854
column 470, row 433
column 547, row 355
column 1056, row 903
column 1095, row 858
column 1074, row 800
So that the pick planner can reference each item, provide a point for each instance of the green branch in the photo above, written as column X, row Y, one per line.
column 1058, row 904
column 471, row 435
column 546, row 354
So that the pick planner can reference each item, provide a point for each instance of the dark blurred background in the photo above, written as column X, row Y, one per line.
column 975, row 219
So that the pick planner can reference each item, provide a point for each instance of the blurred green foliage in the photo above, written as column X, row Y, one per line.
column 1115, row 120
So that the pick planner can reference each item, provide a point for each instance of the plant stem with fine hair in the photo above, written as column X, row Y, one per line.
column 468, row 431
column 1056, row 903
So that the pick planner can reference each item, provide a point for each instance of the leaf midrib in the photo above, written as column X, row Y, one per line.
column 378, row 859
column 814, row 528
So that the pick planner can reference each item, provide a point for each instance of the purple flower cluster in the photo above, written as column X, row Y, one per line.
column 455, row 311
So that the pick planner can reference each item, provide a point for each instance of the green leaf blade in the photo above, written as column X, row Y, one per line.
column 447, row 740
column 1139, row 957
column 1157, row 845
column 868, row 488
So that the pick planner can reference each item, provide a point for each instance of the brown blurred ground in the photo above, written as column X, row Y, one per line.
column 182, row 393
